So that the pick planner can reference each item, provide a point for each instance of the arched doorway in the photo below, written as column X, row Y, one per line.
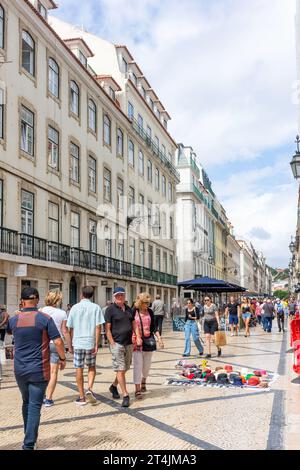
column 73, row 291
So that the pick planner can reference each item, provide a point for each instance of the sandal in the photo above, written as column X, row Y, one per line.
column 138, row 395
column 143, row 387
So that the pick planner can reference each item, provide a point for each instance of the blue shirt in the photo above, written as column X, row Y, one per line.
column 83, row 318
column 32, row 332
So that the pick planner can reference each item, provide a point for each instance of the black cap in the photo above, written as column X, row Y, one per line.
column 29, row 293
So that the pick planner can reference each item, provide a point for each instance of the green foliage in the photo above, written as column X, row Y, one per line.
column 281, row 294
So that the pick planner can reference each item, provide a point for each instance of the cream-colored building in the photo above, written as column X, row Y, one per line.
column 83, row 138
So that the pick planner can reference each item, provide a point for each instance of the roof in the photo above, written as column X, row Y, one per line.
column 70, row 40
column 122, row 46
column 207, row 284
column 108, row 78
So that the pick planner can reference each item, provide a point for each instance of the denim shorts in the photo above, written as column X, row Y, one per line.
column 246, row 315
column 54, row 358
column 233, row 320
column 82, row 356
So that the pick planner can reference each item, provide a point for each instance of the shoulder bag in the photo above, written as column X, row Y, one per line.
column 149, row 343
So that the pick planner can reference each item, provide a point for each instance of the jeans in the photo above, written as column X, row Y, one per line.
column 280, row 321
column 259, row 319
column 191, row 327
column 158, row 321
column 32, row 394
column 268, row 324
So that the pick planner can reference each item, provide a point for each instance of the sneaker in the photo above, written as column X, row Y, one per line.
column 114, row 391
column 232, row 334
column 90, row 397
column 126, row 402
column 81, row 401
column 208, row 356
column 185, row 355
column 201, row 353
column 219, row 352
column 48, row 402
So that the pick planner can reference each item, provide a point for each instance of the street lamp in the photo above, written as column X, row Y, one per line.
column 210, row 259
column 295, row 163
column 292, row 247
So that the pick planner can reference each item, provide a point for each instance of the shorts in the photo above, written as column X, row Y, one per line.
column 210, row 327
column 84, row 355
column 246, row 316
column 233, row 320
column 54, row 358
column 121, row 357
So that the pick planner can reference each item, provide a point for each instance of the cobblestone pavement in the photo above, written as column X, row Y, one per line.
column 170, row 417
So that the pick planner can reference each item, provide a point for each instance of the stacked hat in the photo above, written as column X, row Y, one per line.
column 222, row 379
column 237, row 381
column 210, row 378
column 233, row 375
column 253, row 381
column 248, row 376
column 218, row 368
column 228, row 369
column 257, row 373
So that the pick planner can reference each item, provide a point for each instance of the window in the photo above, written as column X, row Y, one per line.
column 142, row 254
column 156, row 142
column 171, row 228
column 2, row 113
column 106, row 130
column 92, row 174
column 27, row 222
column 53, row 77
column 165, row 262
column 74, row 97
column 165, row 124
column 75, row 230
column 28, row 53
column 74, row 170
column 157, row 259
column 170, row 191
column 133, row 78
column 132, row 250
column 92, row 116
column 158, row 113
column 2, row 27
column 130, row 110
column 53, row 148
column 131, row 153
column 157, row 185
column 3, row 291
column 93, row 236
column 140, row 122
column 125, row 65
column 1, row 202
column 150, row 257
column 42, row 10
column 141, row 200
column 82, row 59
column 141, row 163
column 27, row 131
column 53, row 224
column 108, row 247
column 121, row 249
column 143, row 92
column 164, row 186
column 120, row 193
column 151, row 103
column 120, row 143
column 131, row 196
column 164, row 225
column 163, row 149
column 107, row 185
column 149, row 171
column 149, row 209
column 149, row 132
column 112, row 93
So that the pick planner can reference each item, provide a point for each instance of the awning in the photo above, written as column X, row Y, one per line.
column 207, row 284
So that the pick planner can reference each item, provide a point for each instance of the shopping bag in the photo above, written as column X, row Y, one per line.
column 2, row 356
column 220, row 338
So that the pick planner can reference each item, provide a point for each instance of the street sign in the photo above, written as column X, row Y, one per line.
column 20, row 270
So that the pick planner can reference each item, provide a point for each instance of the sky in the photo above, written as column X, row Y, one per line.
column 225, row 72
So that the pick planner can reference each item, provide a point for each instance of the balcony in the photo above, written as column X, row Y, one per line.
column 184, row 162
column 20, row 244
column 155, row 150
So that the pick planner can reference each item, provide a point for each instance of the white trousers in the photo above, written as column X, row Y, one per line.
column 141, row 365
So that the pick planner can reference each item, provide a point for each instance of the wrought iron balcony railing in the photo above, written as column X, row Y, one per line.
column 12, row 242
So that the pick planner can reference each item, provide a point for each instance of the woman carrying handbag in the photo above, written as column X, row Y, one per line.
column 192, row 316
column 142, row 355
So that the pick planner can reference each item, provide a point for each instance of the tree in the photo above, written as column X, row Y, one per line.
column 281, row 294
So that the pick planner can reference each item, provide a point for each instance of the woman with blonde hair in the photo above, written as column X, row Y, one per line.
column 142, row 355
column 52, row 301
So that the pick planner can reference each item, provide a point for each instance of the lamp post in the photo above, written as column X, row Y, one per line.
column 294, row 246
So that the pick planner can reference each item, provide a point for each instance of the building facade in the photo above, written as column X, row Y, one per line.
column 76, row 156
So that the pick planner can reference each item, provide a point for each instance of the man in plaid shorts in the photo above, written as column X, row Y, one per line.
column 84, row 322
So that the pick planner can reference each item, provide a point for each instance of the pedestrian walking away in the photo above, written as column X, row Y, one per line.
column 211, row 323
column 120, row 325
column 84, row 323
column 279, row 312
column 142, row 355
column 268, row 315
column 232, row 312
column 4, row 317
column 52, row 300
column 159, row 310
column 32, row 332
column 192, row 316
column 246, row 315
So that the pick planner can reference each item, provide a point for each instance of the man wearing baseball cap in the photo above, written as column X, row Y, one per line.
column 32, row 332
column 120, row 325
